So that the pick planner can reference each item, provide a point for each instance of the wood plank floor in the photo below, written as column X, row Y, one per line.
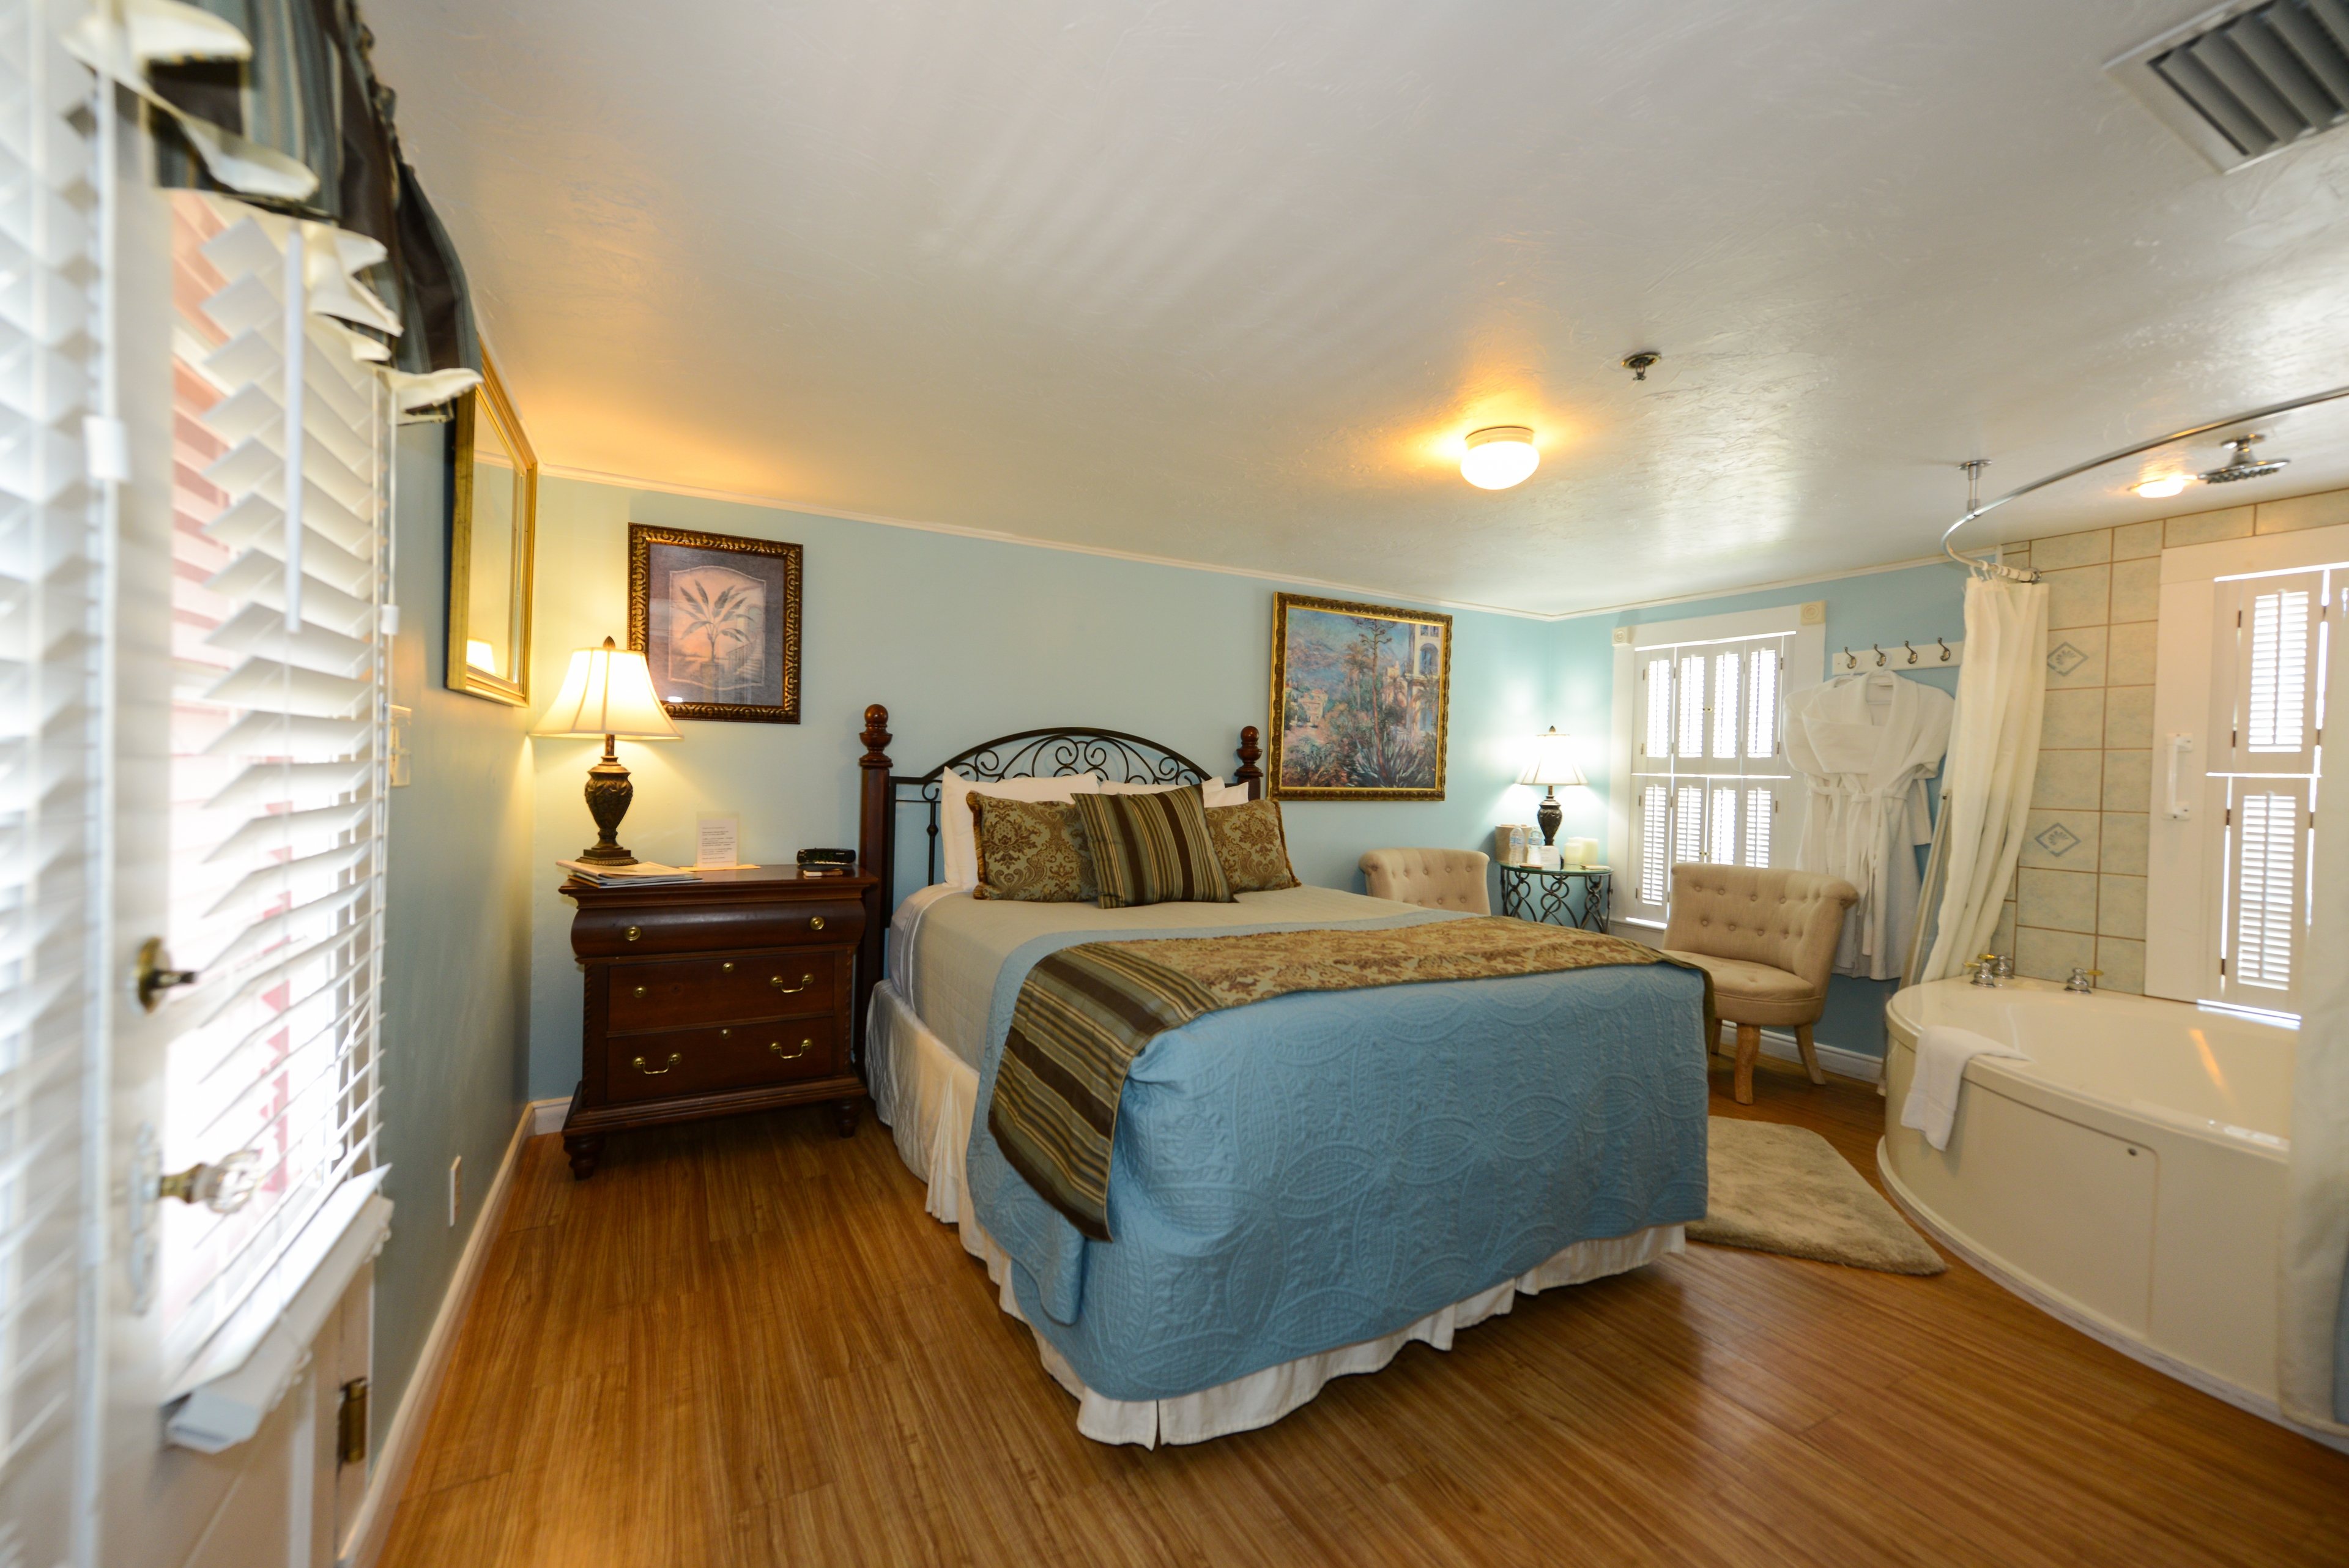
column 743, row 1343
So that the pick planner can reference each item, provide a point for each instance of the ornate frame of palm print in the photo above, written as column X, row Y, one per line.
column 1321, row 748
column 718, row 620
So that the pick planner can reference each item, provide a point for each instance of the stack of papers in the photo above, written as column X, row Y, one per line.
column 644, row 873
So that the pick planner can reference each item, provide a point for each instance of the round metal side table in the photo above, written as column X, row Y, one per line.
column 1569, row 895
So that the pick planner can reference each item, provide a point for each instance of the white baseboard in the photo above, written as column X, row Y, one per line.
column 405, row 1436
column 1833, row 1058
column 546, row 1115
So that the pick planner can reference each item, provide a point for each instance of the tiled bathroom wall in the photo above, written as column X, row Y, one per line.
column 2078, row 896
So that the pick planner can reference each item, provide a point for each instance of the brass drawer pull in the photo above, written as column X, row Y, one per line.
column 805, row 1047
column 815, row 922
column 805, row 980
column 635, row 931
column 640, row 990
column 674, row 1058
column 726, row 968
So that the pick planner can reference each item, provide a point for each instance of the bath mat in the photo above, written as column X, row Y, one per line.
column 1779, row 1188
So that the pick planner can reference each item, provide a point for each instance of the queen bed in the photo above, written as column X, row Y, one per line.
column 1299, row 1186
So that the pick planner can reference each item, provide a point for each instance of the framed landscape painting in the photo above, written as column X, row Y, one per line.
column 718, row 620
column 1359, row 700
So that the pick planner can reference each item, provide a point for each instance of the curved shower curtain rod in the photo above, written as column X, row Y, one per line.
column 1979, row 564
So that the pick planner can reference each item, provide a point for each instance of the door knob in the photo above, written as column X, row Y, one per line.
column 155, row 977
column 223, row 1189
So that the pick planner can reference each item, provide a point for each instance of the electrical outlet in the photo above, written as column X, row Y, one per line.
column 456, row 1187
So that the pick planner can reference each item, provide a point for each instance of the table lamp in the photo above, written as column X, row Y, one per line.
column 1552, row 765
column 608, row 693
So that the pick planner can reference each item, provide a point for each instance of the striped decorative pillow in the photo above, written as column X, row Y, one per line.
column 1153, row 848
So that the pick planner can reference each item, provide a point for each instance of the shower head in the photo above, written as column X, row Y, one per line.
column 2242, row 465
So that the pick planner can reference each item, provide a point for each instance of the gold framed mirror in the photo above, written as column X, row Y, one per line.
column 493, row 529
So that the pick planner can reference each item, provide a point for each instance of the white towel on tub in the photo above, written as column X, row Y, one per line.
column 1942, row 1052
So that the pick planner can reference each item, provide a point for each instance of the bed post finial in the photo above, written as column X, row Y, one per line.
column 1249, row 774
column 875, row 844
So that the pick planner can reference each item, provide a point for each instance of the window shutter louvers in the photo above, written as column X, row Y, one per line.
column 277, row 775
column 50, row 871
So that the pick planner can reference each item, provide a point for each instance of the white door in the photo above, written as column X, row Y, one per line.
column 114, row 1302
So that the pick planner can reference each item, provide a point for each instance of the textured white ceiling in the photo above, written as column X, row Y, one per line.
column 1229, row 280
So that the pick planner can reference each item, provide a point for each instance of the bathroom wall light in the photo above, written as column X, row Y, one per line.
column 2162, row 489
column 1499, row 456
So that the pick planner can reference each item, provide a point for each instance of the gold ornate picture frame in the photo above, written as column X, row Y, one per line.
column 492, row 539
column 1360, row 697
column 718, row 620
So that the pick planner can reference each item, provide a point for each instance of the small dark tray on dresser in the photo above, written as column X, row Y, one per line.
column 707, row 998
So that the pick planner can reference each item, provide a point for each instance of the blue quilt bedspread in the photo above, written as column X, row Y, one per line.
column 1325, row 1168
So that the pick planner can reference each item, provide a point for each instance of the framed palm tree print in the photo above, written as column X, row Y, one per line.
column 718, row 620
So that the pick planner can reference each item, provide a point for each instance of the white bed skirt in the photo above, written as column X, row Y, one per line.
column 924, row 1093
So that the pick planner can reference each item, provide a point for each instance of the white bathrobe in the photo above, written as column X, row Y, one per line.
column 1867, row 743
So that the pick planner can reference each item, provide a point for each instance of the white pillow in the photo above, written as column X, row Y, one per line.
column 958, row 863
column 1213, row 793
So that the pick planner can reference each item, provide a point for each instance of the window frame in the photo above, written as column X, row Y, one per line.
column 1804, row 627
column 2195, row 689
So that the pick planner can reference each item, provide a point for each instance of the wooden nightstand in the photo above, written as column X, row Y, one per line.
column 706, row 999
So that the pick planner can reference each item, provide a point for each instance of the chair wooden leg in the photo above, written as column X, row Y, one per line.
column 1749, row 1046
column 1810, row 1053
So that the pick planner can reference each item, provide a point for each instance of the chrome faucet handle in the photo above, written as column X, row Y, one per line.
column 2004, row 968
column 2082, row 981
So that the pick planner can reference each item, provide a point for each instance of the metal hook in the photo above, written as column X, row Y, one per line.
column 1850, row 660
column 1912, row 652
column 1945, row 650
column 1880, row 654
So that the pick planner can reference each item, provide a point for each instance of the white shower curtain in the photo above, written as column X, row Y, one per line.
column 2312, row 1327
column 1994, row 756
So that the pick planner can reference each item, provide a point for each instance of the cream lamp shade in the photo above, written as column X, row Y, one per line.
column 1551, row 765
column 608, row 691
column 1552, row 762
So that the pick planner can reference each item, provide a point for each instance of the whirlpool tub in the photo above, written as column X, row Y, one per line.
column 2129, row 1178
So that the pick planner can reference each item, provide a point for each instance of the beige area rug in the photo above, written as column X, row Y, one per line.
column 1785, row 1189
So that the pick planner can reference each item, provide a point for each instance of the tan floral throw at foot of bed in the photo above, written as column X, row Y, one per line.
column 1086, row 1011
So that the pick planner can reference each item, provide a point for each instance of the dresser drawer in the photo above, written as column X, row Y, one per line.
column 685, row 926
column 736, row 1056
column 719, row 991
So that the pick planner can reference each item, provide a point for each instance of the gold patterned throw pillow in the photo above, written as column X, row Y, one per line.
column 1031, row 851
column 1250, row 846
column 1153, row 848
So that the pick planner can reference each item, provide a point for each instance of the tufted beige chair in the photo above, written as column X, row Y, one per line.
column 1769, row 938
column 1432, row 878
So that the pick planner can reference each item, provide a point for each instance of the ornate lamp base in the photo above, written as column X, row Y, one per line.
column 1550, row 816
column 608, row 794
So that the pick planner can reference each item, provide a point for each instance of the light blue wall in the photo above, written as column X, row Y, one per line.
column 1879, row 609
column 457, row 955
column 964, row 640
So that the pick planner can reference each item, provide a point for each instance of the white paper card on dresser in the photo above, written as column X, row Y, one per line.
column 717, row 841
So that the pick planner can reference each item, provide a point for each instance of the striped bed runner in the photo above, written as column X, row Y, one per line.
column 1085, row 1012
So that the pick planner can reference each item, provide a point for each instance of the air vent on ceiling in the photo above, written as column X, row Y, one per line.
column 2247, row 80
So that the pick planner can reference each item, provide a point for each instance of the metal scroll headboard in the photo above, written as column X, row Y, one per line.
column 1117, row 756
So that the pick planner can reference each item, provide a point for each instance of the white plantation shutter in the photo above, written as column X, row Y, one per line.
column 2267, row 902
column 2272, row 639
column 1708, row 761
column 277, row 819
column 2277, row 638
column 49, row 860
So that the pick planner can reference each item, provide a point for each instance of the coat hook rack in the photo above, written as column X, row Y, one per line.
column 1912, row 654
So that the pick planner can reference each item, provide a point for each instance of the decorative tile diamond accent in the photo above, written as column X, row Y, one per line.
column 2058, row 840
column 2064, row 658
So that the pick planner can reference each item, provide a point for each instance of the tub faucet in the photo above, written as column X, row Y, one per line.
column 1985, row 970
column 2082, row 981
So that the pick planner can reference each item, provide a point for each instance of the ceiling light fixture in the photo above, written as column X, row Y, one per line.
column 2163, row 489
column 1499, row 456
